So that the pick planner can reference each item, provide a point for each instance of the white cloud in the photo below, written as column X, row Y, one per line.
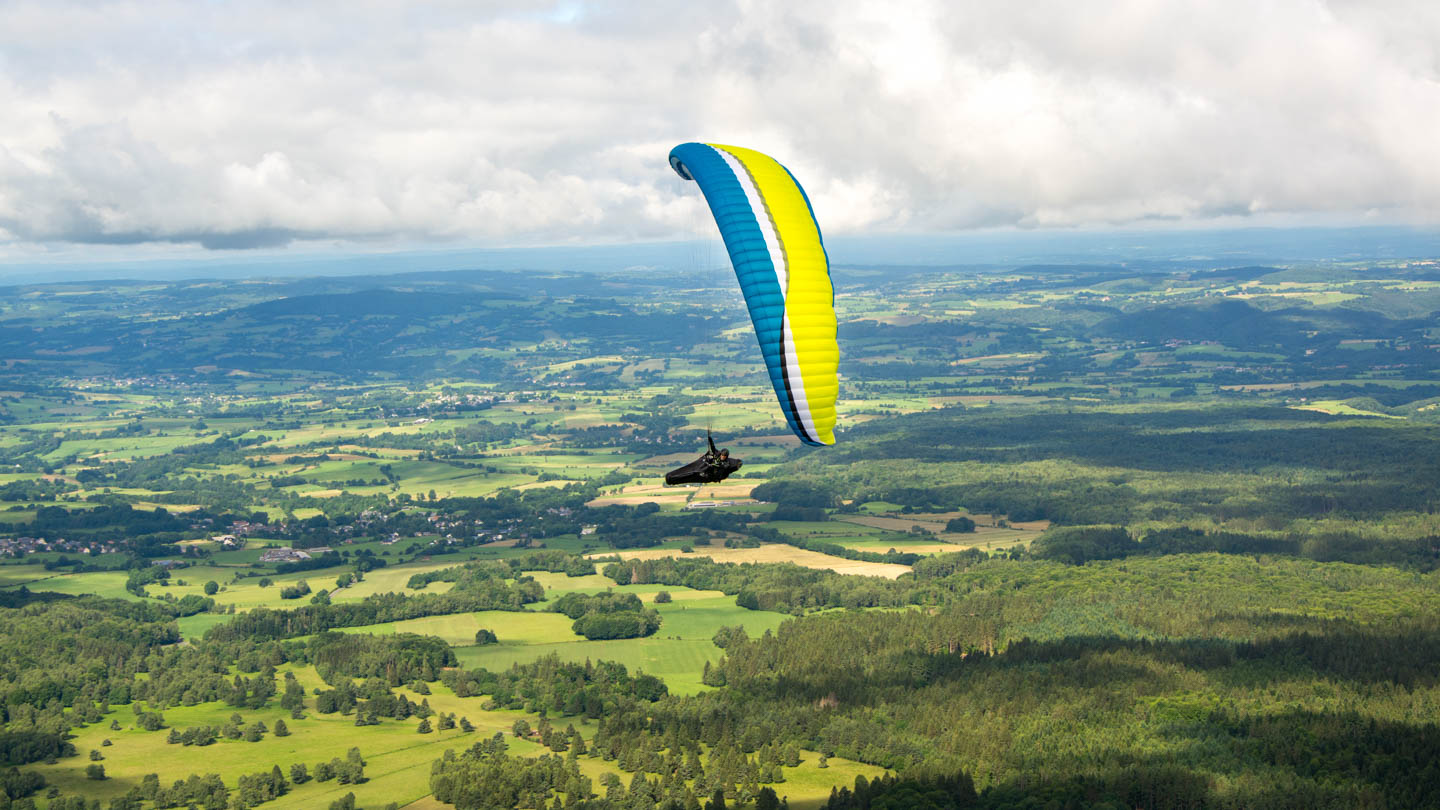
column 233, row 125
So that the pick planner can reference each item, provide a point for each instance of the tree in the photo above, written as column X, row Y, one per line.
column 298, row 773
column 211, row 588
column 484, row 636
column 424, row 727
column 728, row 635
column 150, row 786
column 295, row 591
column 1079, row 544
column 663, row 598
column 960, row 525
column 294, row 696
column 95, row 771
column 281, row 730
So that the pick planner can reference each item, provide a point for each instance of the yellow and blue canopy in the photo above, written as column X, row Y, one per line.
column 774, row 242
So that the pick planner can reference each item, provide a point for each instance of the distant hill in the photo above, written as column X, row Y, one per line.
column 390, row 303
column 1237, row 322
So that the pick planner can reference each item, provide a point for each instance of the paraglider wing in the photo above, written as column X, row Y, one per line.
column 775, row 246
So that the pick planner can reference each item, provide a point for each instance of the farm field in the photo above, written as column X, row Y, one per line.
column 677, row 653
column 16, row 575
column 775, row 553
column 101, row 583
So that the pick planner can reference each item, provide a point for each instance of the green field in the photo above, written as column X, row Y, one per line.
column 109, row 584
column 398, row 759
column 677, row 653
column 28, row 575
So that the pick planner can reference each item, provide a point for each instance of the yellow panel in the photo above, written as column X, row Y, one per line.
column 809, row 296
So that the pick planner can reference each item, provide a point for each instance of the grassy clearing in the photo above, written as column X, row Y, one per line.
column 651, row 491
column 987, row 535
column 678, row 663
column 398, row 759
column 194, row 627
column 17, row 516
column 808, row 786
column 777, row 553
column 110, row 584
column 245, row 594
column 16, row 575
column 895, row 522
column 676, row 654
column 901, row 545
column 121, row 449
column 797, row 528
column 513, row 628
column 392, row 579
column 1336, row 407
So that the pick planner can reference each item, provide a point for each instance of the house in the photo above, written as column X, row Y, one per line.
column 271, row 555
column 709, row 504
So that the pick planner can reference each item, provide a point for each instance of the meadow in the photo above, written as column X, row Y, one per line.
column 397, row 758
column 774, row 553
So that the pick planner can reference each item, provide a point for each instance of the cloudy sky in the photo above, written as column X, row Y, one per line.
column 146, row 127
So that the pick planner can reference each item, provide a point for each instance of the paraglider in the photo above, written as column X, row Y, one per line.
column 711, row 468
column 774, row 242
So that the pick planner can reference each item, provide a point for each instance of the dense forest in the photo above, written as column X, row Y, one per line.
column 1168, row 682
